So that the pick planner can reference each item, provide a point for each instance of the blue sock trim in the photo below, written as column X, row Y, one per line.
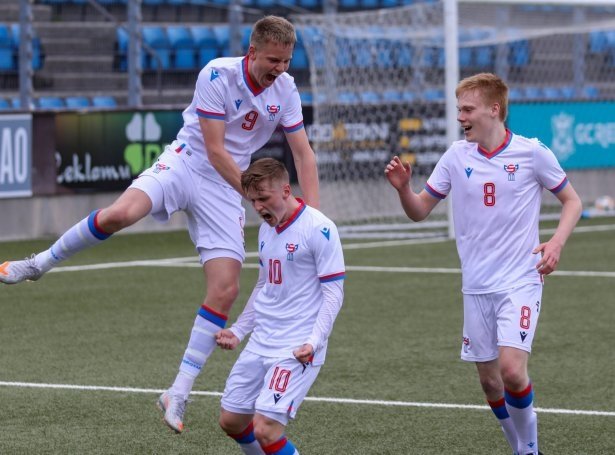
column 209, row 315
column 520, row 400
column 94, row 229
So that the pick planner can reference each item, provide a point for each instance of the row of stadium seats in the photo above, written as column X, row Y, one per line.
column 602, row 41
column 183, row 47
column 550, row 93
column 9, row 49
column 260, row 4
column 69, row 102
column 554, row 93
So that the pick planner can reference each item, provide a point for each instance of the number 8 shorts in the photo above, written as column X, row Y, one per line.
column 504, row 318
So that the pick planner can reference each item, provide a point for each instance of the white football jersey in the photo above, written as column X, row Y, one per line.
column 496, row 206
column 295, row 259
column 224, row 91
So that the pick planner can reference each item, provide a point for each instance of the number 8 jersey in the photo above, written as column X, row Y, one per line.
column 496, row 206
column 226, row 92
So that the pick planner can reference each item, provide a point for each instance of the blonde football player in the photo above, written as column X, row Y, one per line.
column 497, row 178
column 290, row 314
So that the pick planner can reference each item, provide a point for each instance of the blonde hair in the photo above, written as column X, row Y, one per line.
column 265, row 169
column 491, row 87
column 273, row 29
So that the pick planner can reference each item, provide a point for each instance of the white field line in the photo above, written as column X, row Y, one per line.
column 180, row 262
column 411, row 404
column 192, row 262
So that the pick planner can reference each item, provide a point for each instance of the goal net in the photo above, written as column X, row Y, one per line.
column 378, row 90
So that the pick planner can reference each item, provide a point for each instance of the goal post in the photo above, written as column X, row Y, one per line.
column 383, row 83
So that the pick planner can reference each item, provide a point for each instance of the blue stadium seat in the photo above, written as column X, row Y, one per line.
column 598, row 42
column 158, row 40
column 533, row 93
column 300, row 57
column 205, row 42
column 552, row 93
column 370, row 97
column 246, row 31
column 76, row 102
column 484, row 56
column 223, row 39
column 122, row 40
column 409, row 96
column 368, row 4
column 347, row 97
column 591, row 92
column 4, row 104
column 313, row 37
column 348, row 4
column 7, row 62
column 433, row 94
column 465, row 57
column 310, row 4
column 182, row 43
column 389, row 3
column 37, row 53
column 515, row 94
column 519, row 53
column 104, row 101
column 391, row 96
column 306, row 97
column 50, row 102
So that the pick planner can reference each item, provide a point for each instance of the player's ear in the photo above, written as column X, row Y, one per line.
column 286, row 191
column 251, row 51
column 495, row 109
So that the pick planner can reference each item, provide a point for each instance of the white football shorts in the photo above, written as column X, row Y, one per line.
column 505, row 318
column 215, row 215
column 272, row 386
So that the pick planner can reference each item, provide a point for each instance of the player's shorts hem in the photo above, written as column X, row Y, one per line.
column 521, row 347
column 215, row 253
column 479, row 359
column 279, row 417
column 236, row 409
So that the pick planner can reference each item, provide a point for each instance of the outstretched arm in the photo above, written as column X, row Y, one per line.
column 305, row 164
column 416, row 206
column 222, row 161
column 552, row 249
column 231, row 337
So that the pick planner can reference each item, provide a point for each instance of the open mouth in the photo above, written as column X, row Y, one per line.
column 270, row 78
column 267, row 217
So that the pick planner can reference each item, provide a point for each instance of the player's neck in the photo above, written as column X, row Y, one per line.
column 495, row 139
column 292, row 205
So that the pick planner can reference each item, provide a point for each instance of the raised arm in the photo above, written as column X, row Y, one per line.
column 416, row 206
column 305, row 163
column 213, row 134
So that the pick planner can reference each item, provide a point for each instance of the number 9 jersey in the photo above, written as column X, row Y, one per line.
column 226, row 92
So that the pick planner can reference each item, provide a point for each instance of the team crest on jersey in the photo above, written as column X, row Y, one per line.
column 238, row 103
column 511, row 169
column 291, row 248
column 214, row 75
column 160, row 167
column 468, row 171
column 262, row 245
column 273, row 110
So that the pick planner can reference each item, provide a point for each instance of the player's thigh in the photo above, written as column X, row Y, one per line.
column 216, row 220
column 286, row 384
column 518, row 312
column 244, row 383
column 479, row 342
column 166, row 183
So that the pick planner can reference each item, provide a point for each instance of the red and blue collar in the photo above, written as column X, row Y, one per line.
column 498, row 149
column 252, row 86
column 298, row 211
